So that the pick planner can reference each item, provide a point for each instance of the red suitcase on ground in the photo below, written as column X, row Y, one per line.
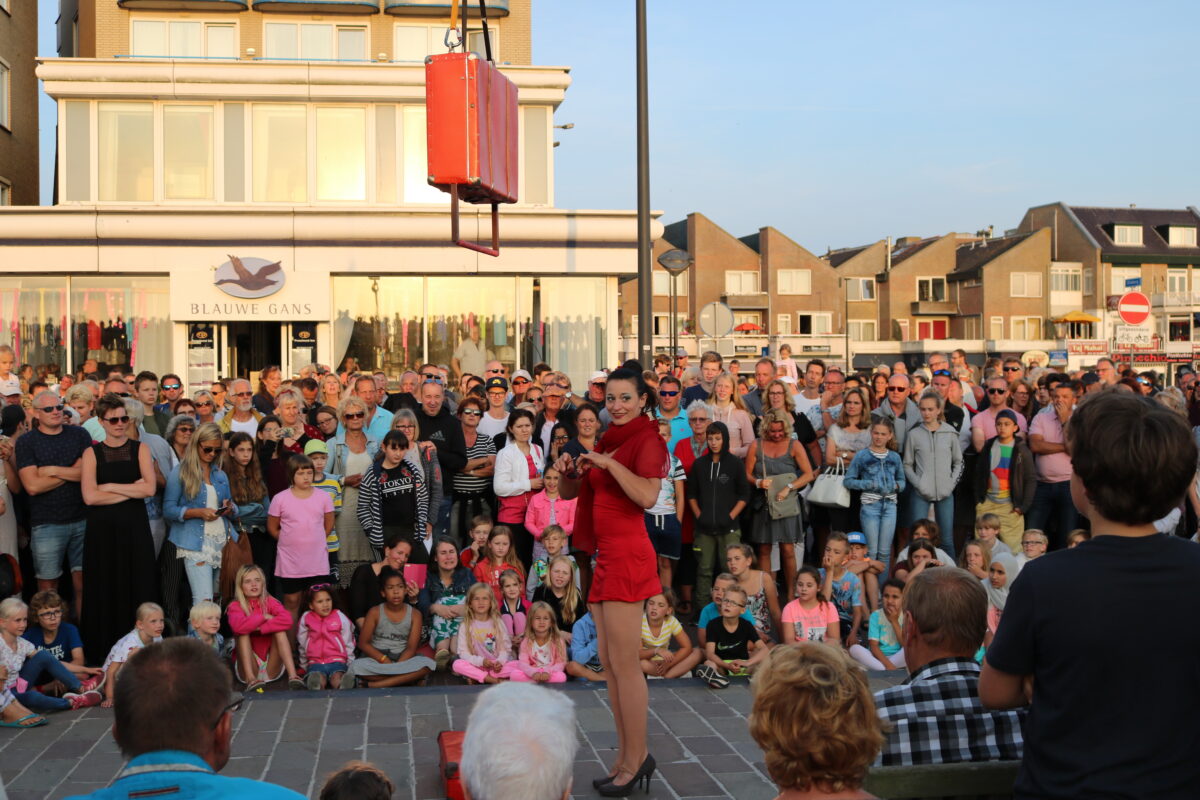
column 450, row 746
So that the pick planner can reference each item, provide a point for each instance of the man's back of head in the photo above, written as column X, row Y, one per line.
column 520, row 744
column 948, row 607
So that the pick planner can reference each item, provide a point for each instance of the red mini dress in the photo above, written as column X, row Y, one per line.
column 626, row 564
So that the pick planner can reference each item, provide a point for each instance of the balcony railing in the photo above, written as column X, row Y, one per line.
column 1175, row 299
column 440, row 8
column 184, row 5
column 933, row 308
column 748, row 300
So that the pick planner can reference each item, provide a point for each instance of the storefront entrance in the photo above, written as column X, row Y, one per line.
column 218, row 350
column 250, row 346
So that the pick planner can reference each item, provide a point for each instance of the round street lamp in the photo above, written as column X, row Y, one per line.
column 675, row 262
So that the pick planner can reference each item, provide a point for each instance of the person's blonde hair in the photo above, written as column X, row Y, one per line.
column 773, row 415
column 735, row 397
column 984, row 548
column 191, row 474
column 493, row 612
column 200, row 609
column 788, row 402
column 350, row 401
column 239, row 596
column 571, row 596
column 864, row 418
column 556, row 640
column 931, row 394
column 814, row 718
column 10, row 606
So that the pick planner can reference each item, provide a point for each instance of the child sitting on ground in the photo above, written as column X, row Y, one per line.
column 919, row 555
column 713, row 610
column 659, row 629
column 759, row 586
column 553, row 544
column 975, row 557
column 1074, row 538
column 205, row 619
column 481, row 528
column 483, row 644
column 1033, row 545
column 987, row 530
column 733, row 647
column 48, row 631
column 496, row 558
column 1002, row 571
column 543, row 654
column 585, row 657
column 259, row 624
column 514, row 611
column 22, row 660
column 147, row 630
column 883, row 633
column 866, row 568
column 546, row 508
column 842, row 587
column 810, row 617
column 357, row 780
column 558, row 590
column 389, row 639
column 325, row 637
column 332, row 485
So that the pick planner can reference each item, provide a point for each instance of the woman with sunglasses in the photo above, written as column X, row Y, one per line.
column 199, row 509
column 119, row 571
column 178, row 434
column 473, row 483
column 207, row 409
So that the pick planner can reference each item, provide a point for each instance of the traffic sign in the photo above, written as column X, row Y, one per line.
column 1132, row 336
column 1133, row 283
column 1134, row 308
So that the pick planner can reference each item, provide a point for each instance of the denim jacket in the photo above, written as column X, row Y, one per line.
column 189, row 533
column 867, row 473
column 339, row 452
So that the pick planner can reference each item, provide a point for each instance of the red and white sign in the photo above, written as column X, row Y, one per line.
column 1134, row 308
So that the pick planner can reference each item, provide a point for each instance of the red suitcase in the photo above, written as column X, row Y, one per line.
column 450, row 747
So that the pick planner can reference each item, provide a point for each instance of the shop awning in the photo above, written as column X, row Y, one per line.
column 1076, row 316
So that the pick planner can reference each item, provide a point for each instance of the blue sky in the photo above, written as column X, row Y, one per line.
column 842, row 123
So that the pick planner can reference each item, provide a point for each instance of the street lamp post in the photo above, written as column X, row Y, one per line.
column 676, row 262
column 645, row 296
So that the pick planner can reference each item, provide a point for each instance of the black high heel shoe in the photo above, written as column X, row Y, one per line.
column 642, row 776
column 598, row 782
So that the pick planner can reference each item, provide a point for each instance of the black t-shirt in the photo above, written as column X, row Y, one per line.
column 36, row 449
column 1106, row 630
column 398, row 491
column 733, row 645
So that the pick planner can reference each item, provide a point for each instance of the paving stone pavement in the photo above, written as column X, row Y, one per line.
column 295, row 739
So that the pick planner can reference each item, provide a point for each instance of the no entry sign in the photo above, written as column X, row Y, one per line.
column 1134, row 308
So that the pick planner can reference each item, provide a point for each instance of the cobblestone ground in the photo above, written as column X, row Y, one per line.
column 295, row 739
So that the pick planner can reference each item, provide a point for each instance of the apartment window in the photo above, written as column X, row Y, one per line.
column 783, row 324
column 1181, row 236
column 931, row 290
column 932, row 329
column 814, row 324
column 1089, row 281
column 901, row 329
column 5, row 91
column 126, row 152
column 1025, row 284
column 1122, row 274
column 794, row 281
column 1127, row 234
column 971, row 327
column 183, row 39
column 341, row 153
column 996, row 328
column 315, row 41
column 5, row 193
column 662, row 324
column 415, row 42
column 1177, row 280
column 188, row 152
column 416, row 160
column 1026, row 328
column 741, row 282
column 662, row 283
column 862, row 330
column 860, row 289
column 280, row 153
column 1064, row 280
column 535, row 182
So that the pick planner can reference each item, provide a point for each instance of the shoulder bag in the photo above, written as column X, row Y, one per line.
column 830, row 490
column 790, row 505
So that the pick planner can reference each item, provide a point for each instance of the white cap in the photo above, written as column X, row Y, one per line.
column 10, row 386
column 598, row 375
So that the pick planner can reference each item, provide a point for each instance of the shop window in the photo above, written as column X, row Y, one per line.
column 122, row 321
column 32, row 319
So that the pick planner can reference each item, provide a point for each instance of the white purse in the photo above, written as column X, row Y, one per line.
column 829, row 490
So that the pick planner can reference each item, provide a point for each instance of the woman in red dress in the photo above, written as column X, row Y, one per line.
column 616, row 482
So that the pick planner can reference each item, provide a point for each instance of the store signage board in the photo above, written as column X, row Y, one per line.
column 245, row 287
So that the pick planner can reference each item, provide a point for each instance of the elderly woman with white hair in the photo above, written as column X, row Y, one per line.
column 289, row 407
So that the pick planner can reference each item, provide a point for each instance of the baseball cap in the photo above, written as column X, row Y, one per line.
column 856, row 537
column 522, row 374
column 598, row 375
column 10, row 386
column 1089, row 378
column 1007, row 414
column 496, row 383
column 315, row 446
column 680, row 352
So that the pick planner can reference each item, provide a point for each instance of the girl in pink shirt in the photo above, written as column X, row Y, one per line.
column 810, row 617
column 547, row 508
column 300, row 518
column 260, row 624
column 543, row 656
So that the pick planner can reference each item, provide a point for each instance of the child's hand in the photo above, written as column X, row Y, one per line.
column 827, row 561
column 106, row 703
column 857, row 567
column 541, row 677
column 384, row 659
column 852, row 639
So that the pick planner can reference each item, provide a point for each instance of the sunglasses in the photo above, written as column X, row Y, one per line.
column 897, row 389
column 232, row 708
column 519, row 381
column 204, row 404
column 1012, row 369
column 353, row 415
column 563, row 385
column 51, row 409
column 601, row 384
column 244, row 394
column 535, row 399
column 170, row 387
column 208, row 451
column 997, row 391
column 668, row 394
column 942, row 373
column 316, row 587
column 472, row 412
column 122, row 420
column 430, row 376
column 496, row 371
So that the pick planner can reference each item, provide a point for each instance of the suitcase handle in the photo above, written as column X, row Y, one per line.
column 494, row 250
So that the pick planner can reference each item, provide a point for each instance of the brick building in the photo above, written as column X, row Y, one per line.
column 18, row 103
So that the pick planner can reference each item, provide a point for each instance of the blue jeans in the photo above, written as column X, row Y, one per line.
column 43, row 667
column 1052, row 502
column 50, row 543
column 201, row 579
column 943, row 512
column 328, row 670
column 879, row 525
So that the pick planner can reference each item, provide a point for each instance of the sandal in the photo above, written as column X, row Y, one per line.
column 253, row 686
column 297, row 684
column 33, row 720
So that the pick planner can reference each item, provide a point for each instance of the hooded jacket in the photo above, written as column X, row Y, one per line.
column 717, row 486
column 1022, row 479
column 445, row 431
column 933, row 461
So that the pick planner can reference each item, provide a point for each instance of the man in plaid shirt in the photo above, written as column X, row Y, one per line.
column 936, row 716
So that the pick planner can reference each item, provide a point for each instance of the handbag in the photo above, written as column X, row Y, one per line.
column 830, row 490
column 779, row 509
column 234, row 556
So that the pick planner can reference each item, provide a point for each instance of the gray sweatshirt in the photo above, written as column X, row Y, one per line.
column 933, row 461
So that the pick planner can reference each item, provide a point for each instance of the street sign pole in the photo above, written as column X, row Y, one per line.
column 645, row 291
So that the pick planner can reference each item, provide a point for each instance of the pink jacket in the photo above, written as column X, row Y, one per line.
column 475, row 650
column 537, row 514
column 256, row 626
column 525, row 659
column 325, row 641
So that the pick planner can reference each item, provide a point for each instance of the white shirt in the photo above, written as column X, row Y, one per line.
column 250, row 426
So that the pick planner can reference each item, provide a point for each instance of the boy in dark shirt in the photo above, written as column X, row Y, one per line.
column 47, row 631
column 732, row 646
column 1116, row 726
